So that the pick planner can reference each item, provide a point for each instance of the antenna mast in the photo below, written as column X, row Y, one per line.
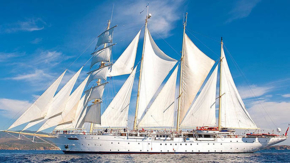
column 148, row 16
column 180, row 75
column 220, row 87
column 99, row 81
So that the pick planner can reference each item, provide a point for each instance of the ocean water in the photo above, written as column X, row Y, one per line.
column 58, row 156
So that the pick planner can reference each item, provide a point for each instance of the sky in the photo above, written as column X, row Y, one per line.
column 40, row 39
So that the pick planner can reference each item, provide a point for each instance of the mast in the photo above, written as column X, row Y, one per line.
column 220, row 86
column 139, row 83
column 99, row 81
column 180, row 78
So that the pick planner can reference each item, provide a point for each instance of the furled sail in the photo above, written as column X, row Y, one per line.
column 36, row 110
column 93, row 114
column 195, row 68
column 58, row 102
column 202, row 111
column 161, row 112
column 106, row 37
column 71, row 105
column 97, row 92
column 102, row 55
column 156, row 66
column 125, row 63
column 100, row 73
column 116, row 115
column 233, row 111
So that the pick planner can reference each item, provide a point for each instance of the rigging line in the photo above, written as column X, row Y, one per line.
column 112, row 13
column 46, row 141
column 247, row 82
column 83, row 53
column 203, row 43
column 12, row 135
column 169, row 45
column 236, row 65
column 211, row 38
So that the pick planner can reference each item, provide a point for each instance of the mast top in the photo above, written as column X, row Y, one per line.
column 185, row 21
column 221, row 40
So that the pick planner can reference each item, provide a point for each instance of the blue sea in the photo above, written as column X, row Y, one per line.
column 58, row 156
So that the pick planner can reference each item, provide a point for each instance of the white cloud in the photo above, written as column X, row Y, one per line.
column 253, row 91
column 50, row 58
column 38, row 69
column 242, row 9
column 36, row 76
column 36, row 41
column 33, row 24
column 164, row 15
column 268, row 113
column 5, row 57
column 13, row 108
column 286, row 95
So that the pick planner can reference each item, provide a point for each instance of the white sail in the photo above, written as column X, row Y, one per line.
column 78, row 123
column 70, row 120
column 70, row 107
column 106, row 37
column 195, row 68
column 58, row 102
column 233, row 111
column 96, row 92
column 102, row 55
column 116, row 115
column 161, row 112
column 93, row 114
column 99, row 74
column 125, row 63
column 36, row 110
column 202, row 111
column 156, row 66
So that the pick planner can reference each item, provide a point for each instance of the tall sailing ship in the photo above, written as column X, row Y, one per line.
column 158, row 127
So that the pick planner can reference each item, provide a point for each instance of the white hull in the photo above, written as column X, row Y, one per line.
column 77, row 143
